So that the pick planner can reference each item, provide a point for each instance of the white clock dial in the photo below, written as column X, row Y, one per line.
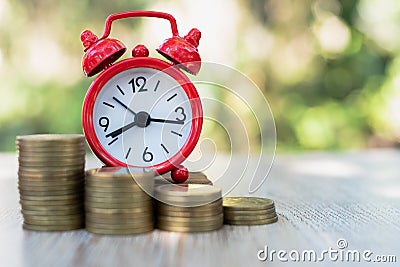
column 142, row 117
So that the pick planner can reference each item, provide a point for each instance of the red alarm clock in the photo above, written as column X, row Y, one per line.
column 142, row 111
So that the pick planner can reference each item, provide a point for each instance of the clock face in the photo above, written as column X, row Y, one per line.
column 142, row 117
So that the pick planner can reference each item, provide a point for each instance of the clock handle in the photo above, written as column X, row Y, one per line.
column 139, row 13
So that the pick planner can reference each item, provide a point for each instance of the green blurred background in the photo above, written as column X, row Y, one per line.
column 330, row 69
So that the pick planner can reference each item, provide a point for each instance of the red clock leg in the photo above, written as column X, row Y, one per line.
column 180, row 174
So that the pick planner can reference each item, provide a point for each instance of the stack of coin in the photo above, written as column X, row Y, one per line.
column 118, row 201
column 249, row 211
column 51, row 181
column 189, row 208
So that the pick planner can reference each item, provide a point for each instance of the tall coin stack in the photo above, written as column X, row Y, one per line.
column 118, row 201
column 249, row 211
column 51, row 181
column 189, row 208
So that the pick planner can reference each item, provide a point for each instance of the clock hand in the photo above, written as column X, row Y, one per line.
column 121, row 130
column 166, row 121
column 125, row 106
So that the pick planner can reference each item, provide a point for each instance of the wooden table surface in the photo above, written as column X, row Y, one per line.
column 320, row 198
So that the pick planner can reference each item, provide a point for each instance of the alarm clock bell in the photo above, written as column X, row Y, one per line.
column 100, row 53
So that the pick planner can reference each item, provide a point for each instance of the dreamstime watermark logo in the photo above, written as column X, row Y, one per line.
column 339, row 254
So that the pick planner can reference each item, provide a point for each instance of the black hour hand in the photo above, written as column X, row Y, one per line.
column 121, row 130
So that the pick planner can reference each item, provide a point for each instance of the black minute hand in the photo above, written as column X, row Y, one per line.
column 121, row 130
column 125, row 106
column 166, row 121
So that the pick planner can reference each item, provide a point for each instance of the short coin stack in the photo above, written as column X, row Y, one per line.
column 51, row 181
column 189, row 208
column 249, row 211
column 118, row 201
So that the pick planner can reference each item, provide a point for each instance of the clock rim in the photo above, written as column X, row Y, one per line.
column 142, row 62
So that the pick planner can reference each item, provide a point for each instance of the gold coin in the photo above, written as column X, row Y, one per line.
column 120, row 216
column 116, row 200
column 43, row 185
column 249, row 212
column 119, row 211
column 111, row 179
column 51, row 155
column 185, row 201
column 54, row 175
column 247, row 203
column 190, row 214
column 54, row 222
column 48, row 208
column 190, row 224
column 105, row 205
column 190, row 221
column 77, row 211
column 51, row 170
column 51, row 158
column 180, row 224
column 187, row 195
column 252, row 217
column 46, row 141
column 207, row 207
column 121, row 172
column 121, row 221
column 190, row 190
column 51, row 138
column 115, row 190
column 52, row 164
column 52, row 198
column 51, row 175
column 252, row 222
column 130, row 231
column 50, row 185
column 51, row 181
column 145, row 181
column 52, row 178
column 32, row 203
column 60, row 218
column 50, row 192
column 116, row 186
column 118, row 195
column 41, row 147
column 119, row 226
column 53, row 227
column 190, row 229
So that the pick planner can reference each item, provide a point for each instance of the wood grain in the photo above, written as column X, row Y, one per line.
column 320, row 197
